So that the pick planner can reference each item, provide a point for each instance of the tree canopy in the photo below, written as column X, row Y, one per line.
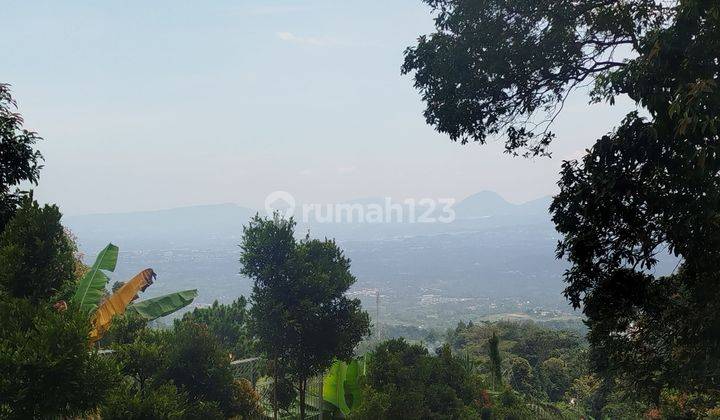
column 650, row 187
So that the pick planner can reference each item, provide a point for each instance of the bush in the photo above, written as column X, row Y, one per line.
column 198, row 365
column 408, row 382
column 246, row 398
column 228, row 323
column 47, row 368
column 160, row 402
column 36, row 255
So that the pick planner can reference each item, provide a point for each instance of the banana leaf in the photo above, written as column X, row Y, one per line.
column 352, row 383
column 91, row 287
column 118, row 302
column 160, row 306
column 334, row 387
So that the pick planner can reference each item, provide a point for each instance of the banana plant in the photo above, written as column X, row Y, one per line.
column 118, row 302
column 157, row 307
column 341, row 385
column 334, row 387
column 92, row 289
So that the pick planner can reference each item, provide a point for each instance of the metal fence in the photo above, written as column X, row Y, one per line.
column 252, row 368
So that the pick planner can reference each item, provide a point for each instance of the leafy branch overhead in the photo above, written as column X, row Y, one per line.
column 504, row 68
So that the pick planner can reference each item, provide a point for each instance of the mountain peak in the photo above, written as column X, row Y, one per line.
column 482, row 204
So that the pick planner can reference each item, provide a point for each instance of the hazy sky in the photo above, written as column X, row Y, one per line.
column 148, row 105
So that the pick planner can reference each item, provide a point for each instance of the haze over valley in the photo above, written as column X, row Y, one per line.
column 494, row 258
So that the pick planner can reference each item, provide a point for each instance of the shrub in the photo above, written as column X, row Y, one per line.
column 47, row 368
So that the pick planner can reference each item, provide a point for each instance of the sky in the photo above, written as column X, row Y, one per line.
column 152, row 105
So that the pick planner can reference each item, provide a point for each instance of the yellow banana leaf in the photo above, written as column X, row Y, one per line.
column 118, row 302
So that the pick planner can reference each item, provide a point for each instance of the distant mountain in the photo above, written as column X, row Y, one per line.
column 213, row 226
column 495, row 257
column 540, row 205
column 483, row 204
column 493, row 248
column 490, row 204
column 196, row 227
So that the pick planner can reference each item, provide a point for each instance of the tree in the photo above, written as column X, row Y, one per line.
column 19, row 161
column 143, row 358
column 495, row 361
column 48, row 370
column 228, row 323
column 405, row 381
column 650, row 187
column 36, row 255
column 164, row 401
column 492, row 66
column 555, row 377
column 196, row 364
column 267, row 248
column 300, row 314
column 520, row 375
column 583, row 392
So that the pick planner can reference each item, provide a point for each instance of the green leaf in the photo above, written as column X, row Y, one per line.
column 334, row 386
column 341, row 384
column 352, row 383
column 91, row 288
column 160, row 306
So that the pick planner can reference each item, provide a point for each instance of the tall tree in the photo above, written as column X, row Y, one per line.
column 19, row 161
column 497, row 67
column 495, row 361
column 300, row 314
column 268, row 247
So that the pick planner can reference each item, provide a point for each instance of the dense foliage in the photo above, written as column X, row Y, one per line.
column 648, row 188
column 184, row 371
column 36, row 256
column 405, row 381
column 534, row 360
column 228, row 323
column 549, row 374
column 491, row 371
column 47, row 368
column 652, row 187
